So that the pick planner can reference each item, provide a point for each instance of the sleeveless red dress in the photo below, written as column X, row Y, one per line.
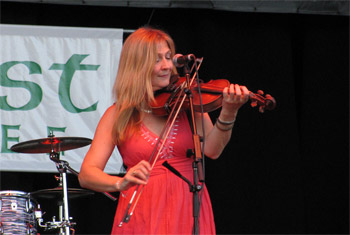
column 166, row 203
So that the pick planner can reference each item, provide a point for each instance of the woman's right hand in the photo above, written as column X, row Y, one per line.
column 137, row 174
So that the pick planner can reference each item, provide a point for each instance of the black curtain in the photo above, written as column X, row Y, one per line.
column 284, row 171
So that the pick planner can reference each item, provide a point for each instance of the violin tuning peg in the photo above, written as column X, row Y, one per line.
column 254, row 104
column 260, row 92
column 261, row 109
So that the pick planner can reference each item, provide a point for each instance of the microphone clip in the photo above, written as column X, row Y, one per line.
column 180, row 60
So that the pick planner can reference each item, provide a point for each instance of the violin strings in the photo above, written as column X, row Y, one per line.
column 166, row 128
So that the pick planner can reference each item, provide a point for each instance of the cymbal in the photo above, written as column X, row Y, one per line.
column 57, row 193
column 50, row 144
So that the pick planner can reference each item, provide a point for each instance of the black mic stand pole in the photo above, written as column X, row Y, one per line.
column 195, row 188
column 197, row 153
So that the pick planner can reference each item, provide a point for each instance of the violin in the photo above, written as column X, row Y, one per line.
column 207, row 96
column 210, row 96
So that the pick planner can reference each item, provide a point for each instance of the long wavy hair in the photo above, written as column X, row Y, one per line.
column 133, row 84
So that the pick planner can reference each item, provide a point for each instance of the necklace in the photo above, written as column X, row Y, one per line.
column 146, row 110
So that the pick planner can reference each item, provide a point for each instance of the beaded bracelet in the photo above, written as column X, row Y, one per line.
column 224, row 122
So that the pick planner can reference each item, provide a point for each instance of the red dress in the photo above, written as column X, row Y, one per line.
column 165, row 205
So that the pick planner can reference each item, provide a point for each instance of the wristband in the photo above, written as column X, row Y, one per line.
column 223, row 129
column 225, row 122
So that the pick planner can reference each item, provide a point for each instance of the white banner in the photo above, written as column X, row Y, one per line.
column 54, row 79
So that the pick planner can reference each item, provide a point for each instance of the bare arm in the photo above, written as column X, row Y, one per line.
column 91, row 173
column 218, row 135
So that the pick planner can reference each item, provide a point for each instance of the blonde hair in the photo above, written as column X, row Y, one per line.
column 133, row 84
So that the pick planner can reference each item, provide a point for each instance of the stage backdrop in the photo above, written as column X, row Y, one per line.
column 54, row 79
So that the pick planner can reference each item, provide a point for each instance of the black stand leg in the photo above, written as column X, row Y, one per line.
column 194, row 188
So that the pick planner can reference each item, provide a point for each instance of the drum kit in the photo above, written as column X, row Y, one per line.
column 20, row 212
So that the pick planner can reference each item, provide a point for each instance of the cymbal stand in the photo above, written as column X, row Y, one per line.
column 64, row 224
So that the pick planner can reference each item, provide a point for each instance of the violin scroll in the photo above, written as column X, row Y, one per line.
column 266, row 102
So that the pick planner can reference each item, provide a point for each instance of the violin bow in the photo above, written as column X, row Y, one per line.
column 163, row 135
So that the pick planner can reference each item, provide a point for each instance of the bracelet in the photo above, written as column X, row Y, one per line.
column 118, row 184
column 224, row 122
column 223, row 129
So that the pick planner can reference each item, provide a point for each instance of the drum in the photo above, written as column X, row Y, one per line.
column 17, row 213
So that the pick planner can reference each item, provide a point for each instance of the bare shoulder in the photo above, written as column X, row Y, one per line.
column 106, row 123
column 103, row 141
column 111, row 111
column 108, row 116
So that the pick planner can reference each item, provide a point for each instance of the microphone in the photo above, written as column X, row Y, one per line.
column 180, row 60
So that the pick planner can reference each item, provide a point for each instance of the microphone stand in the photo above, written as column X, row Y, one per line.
column 197, row 164
column 154, row 156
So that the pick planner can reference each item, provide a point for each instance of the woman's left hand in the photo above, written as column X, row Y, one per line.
column 234, row 97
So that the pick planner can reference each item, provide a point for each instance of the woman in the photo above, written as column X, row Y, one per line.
column 165, row 206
